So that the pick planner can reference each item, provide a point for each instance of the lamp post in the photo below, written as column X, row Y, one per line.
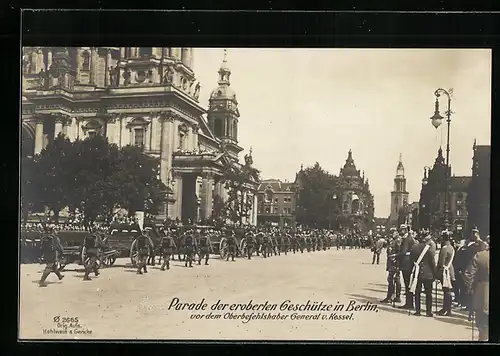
column 436, row 120
column 334, row 198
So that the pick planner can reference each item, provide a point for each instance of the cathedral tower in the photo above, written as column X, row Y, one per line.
column 223, row 114
column 399, row 196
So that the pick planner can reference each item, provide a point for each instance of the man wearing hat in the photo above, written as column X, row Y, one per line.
column 92, row 244
column 477, row 281
column 445, row 271
column 423, row 274
column 408, row 241
column 377, row 248
column 393, row 272
column 472, row 246
column 51, row 250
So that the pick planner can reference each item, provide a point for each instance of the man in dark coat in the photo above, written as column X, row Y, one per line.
column 393, row 272
column 51, row 250
column 424, row 271
column 477, row 281
column 408, row 241
column 204, row 245
column 472, row 246
column 92, row 245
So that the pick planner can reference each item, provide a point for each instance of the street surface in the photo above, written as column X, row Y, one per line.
column 119, row 304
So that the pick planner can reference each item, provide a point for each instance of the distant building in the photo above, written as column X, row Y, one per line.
column 432, row 198
column 478, row 202
column 356, row 201
column 399, row 195
column 276, row 202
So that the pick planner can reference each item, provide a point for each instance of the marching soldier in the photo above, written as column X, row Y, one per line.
column 142, row 246
column 279, row 242
column 445, row 272
column 166, row 250
column 205, row 245
column 249, row 239
column 308, row 243
column 51, row 250
column 151, row 256
column 190, row 248
column 286, row 243
column 423, row 274
column 231, row 244
column 92, row 243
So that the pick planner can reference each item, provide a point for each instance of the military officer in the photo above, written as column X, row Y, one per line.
column 445, row 272
column 407, row 243
column 309, row 242
column 205, row 245
column 51, row 250
column 393, row 272
column 423, row 274
column 477, row 282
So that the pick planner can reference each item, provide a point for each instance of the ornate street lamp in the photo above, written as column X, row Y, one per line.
column 436, row 121
column 334, row 198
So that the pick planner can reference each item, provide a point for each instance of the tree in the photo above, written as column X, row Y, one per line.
column 141, row 186
column 315, row 201
column 51, row 176
column 95, row 189
column 237, row 179
column 30, row 201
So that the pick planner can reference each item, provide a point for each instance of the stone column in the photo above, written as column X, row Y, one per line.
column 39, row 136
column 206, row 200
column 93, row 65
column 176, row 52
column 58, row 126
column 78, row 64
column 185, row 56
column 40, row 63
column 255, row 210
column 157, row 52
column 166, row 146
column 49, row 58
column 106, row 71
column 110, row 129
column 152, row 133
column 122, row 52
column 195, row 130
column 177, row 209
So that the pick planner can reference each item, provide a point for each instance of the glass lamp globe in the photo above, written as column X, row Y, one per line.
column 436, row 120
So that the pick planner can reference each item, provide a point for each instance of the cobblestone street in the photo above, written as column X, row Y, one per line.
column 119, row 304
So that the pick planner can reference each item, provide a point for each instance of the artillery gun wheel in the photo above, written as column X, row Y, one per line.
column 223, row 248
column 133, row 254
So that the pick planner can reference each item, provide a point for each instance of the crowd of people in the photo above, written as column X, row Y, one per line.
column 461, row 268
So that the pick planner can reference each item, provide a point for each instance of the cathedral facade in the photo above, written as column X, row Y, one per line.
column 143, row 96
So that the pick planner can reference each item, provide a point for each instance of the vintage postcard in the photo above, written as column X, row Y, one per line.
column 178, row 193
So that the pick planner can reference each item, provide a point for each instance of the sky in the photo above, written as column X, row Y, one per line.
column 301, row 106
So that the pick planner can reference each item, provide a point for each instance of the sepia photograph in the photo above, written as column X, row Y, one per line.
column 317, row 194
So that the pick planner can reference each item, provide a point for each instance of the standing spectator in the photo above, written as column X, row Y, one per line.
column 477, row 281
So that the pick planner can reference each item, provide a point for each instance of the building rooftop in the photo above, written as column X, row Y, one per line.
column 459, row 183
column 275, row 185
